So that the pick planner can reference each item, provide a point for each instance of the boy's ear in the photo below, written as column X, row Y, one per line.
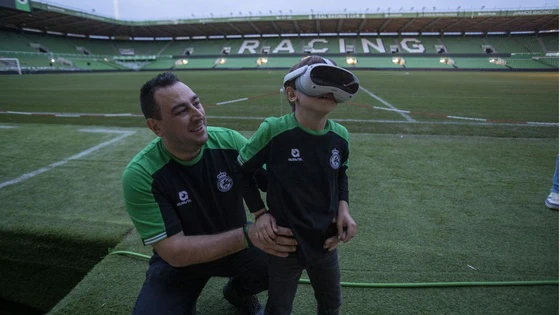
column 155, row 126
column 291, row 94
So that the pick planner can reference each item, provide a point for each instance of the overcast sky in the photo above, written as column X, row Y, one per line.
column 176, row 9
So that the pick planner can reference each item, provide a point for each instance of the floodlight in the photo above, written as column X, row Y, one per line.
column 447, row 61
column 181, row 62
column 498, row 61
column 351, row 60
column 399, row 61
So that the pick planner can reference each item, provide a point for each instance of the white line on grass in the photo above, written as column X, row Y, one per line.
column 392, row 110
column 123, row 115
column 402, row 112
column 67, row 115
column 232, row 101
column 537, row 123
column 466, row 118
column 71, row 114
column 104, row 130
column 18, row 113
column 123, row 134
column 387, row 104
column 6, row 127
column 426, row 122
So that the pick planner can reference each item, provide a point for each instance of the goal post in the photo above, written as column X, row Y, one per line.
column 10, row 64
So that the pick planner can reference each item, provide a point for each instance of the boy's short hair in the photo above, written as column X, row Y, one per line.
column 150, row 108
column 307, row 61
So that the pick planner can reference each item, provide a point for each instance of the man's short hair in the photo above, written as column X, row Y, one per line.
column 149, row 106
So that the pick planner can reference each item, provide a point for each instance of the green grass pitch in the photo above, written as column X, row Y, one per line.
column 436, row 199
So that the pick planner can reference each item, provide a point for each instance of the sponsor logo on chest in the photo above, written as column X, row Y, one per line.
column 295, row 156
column 183, row 198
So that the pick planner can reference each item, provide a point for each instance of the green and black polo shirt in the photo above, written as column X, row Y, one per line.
column 164, row 195
column 306, row 173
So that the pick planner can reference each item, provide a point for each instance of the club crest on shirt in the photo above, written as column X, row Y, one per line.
column 224, row 182
column 335, row 159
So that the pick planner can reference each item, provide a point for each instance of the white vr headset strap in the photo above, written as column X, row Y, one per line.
column 300, row 71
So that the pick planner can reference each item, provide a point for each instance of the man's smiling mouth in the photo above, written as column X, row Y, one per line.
column 197, row 129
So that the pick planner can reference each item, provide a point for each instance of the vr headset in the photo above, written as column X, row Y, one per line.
column 320, row 78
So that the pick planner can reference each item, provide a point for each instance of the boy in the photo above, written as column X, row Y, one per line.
column 306, row 157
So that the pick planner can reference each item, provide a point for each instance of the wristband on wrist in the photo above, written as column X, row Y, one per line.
column 248, row 243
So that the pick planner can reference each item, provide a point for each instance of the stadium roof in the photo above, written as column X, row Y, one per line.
column 45, row 17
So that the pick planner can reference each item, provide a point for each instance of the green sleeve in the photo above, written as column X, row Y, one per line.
column 239, row 140
column 141, row 204
column 258, row 141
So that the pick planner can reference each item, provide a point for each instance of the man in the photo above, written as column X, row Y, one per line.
column 185, row 200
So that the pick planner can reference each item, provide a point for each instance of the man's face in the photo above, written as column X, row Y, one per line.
column 183, row 121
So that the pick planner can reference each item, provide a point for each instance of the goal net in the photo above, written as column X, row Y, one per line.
column 10, row 65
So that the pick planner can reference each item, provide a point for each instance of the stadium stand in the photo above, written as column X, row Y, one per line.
column 465, row 45
column 167, row 52
column 550, row 43
column 139, row 47
column 96, row 46
column 196, row 63
column 178, row 48
column 160, row 65
column 12, row 41
column 430, row 44
column 549, row 61
column 36, row 51
column 426, row 62
column 523, row 63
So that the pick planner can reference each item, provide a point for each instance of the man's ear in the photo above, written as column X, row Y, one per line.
column 291, row 94
column 155, row 126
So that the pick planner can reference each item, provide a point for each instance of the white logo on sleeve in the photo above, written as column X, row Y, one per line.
column 184, row 198
column 334, row 161
column 224, row 182
column 295, row 156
